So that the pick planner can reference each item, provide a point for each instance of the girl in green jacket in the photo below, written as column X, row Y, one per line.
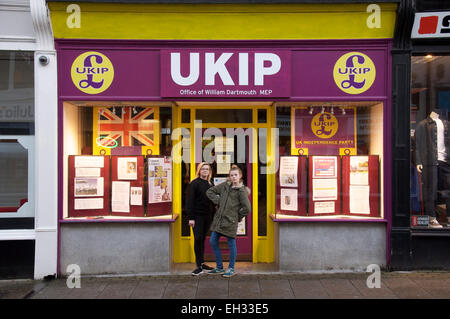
column 233, row 202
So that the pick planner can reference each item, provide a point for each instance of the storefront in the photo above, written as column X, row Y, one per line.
column 28, row 179
column 421, row 216
column 302, row 108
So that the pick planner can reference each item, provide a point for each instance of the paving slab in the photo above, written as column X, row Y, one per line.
column 308, row 289
column 150, row 289
column 373, row 293
column 181, row 289
column 405, row 288
column 340, row 289
column 240, row 288
column 276, row 288
column 212, row 288
column 118, row 289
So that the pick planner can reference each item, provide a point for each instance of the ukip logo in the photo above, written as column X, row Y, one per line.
column 92, row 72
column 354, row 73
column 324, row 125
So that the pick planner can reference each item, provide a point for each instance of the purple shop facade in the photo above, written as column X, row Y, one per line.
column 281, row 71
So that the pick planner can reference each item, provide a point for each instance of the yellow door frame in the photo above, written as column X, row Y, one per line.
column 262, row 246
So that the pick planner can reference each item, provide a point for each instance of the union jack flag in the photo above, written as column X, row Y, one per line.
column 128, row 126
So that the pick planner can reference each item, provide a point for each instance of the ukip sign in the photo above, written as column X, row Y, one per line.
column 328, row 132
column 225, row 74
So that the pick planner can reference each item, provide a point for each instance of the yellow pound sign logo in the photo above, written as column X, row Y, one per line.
column 324, row 125
column 92, row 72
column 354, row 73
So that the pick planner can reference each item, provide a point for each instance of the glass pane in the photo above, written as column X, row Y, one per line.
column 262, row 182
column 335, row 163
column 430, row 160
column 113, row 132
column 224, row 115
column 16, row 93
column 185, row 116
column 14, row 175
column 262, row 116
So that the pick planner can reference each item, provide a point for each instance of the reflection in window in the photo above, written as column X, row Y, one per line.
column 14, row 175
column 16, row 93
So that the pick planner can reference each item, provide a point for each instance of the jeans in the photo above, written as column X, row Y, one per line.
column 214, row 241
column 201, row 229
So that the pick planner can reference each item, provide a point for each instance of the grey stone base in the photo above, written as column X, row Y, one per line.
column 329, row 246
column 116, row 248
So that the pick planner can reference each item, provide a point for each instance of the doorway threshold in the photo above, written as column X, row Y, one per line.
column 241, row 267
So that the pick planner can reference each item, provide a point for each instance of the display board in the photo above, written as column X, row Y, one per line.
column 291, row 189
column 323, row 131
column 360, row 185
column 127, row 186
column 324, row 185
column 159, row 185
column 89, row 186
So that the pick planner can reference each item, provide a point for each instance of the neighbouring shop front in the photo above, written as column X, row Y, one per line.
column 421, row 215
column 306, row 115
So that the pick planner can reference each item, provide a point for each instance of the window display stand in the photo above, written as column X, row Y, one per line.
column 285, row 193
column 88, row 186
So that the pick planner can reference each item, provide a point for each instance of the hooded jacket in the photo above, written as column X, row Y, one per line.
column 233, row 205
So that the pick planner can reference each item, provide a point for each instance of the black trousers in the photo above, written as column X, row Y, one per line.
column 201, row 229
column 436, row 179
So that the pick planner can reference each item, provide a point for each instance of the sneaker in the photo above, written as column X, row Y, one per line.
column 229, row 273
column 197, row 271
column 216, row 271
column 206, row 267
column 434, row 223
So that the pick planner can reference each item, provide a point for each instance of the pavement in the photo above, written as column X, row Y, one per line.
column 244, row 285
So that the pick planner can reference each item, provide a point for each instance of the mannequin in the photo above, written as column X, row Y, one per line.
column 433, row 162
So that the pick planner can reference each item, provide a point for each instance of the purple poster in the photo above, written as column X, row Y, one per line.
column 225, row 73
column 331, row 132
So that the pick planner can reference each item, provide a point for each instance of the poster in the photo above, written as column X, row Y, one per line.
column 224, row 144
column 288, row 171
column 88, row 203
column 288, row 198
column 359, row 170
column 159, row 180
column 89, row 161
column 127, row 168
column 219, row 180
column 324, row 208
column 359, row 199
column 88, row 187
column 324, row 167
column 223, row 164
column 325, row 189
column 87, row 172
column 136, row 196
column 120, row 198
column 324, row 130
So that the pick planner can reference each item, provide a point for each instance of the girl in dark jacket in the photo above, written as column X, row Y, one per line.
column 233, row 202
column 200, row 211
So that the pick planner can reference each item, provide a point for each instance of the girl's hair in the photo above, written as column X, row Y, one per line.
column 199, row 167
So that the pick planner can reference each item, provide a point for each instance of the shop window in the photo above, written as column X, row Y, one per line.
column 117, row 160
column 330, row 160
column 16, row 93
column 16, row 140
column 224, row 115
column 430, row 152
